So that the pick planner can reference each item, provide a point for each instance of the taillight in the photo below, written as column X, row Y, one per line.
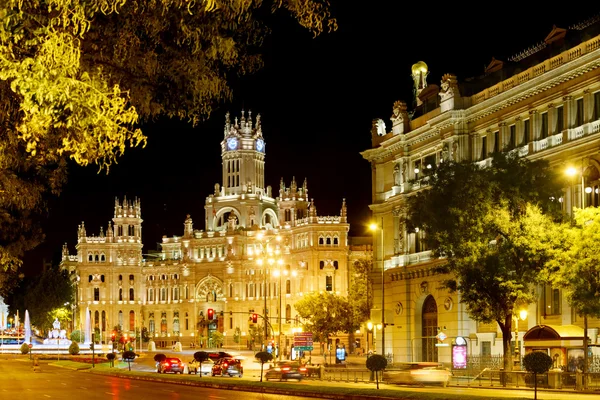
column 225, row 364
column 166, row 364
column 303, row 369
column 285, row 368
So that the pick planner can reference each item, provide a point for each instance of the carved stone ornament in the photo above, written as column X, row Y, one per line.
column 448, row 303
column 424, row 287
column 398, row 111
column 449, row 87
column 399, row 308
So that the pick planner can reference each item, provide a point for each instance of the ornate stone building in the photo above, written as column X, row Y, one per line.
column 542, row 103
column 259, row 252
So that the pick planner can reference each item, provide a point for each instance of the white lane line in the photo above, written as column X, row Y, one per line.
column 112, row 394
column 47, row 395
column 216, row 397
column 84, row 388
column 167, row 390
column 64, row 384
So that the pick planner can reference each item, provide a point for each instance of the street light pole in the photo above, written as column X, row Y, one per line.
column 374, row 227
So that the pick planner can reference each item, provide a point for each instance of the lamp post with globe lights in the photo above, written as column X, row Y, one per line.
column 268, row 257
column 523, row 316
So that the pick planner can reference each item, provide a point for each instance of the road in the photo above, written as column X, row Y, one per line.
column 18, row 381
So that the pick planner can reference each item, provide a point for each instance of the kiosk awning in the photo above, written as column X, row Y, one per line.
column 554, row 336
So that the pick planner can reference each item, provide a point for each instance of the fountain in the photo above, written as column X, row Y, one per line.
column 27, row 328
column 88, row 330
column 57, row 336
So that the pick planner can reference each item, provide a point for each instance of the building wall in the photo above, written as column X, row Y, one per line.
column 563, row 86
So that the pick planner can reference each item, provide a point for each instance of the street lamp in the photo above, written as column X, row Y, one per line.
column 271, row 257
column 374, row 228
column 523, row 316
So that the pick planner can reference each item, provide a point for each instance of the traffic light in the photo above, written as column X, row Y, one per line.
column 211, row 314
column 113, row 336
column 254, row 318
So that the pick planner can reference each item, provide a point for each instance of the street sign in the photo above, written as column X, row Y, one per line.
column 30, row 345
column 303, row 341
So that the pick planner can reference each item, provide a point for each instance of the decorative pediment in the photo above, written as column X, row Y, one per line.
column 494, row 65
column 555, row 34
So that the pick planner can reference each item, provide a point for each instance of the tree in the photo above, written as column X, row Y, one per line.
column 376, row 363
column 263, row 357
column 496, row 228
column 577, row 267
column 237, row 336
column 129, row 356
column 326, row 314
column 217, row 339
column 539, row 363
column 256, row 334
column 76, row 79
column 360, row 293
column 44, row 297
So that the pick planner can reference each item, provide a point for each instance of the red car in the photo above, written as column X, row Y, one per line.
column 228, row 366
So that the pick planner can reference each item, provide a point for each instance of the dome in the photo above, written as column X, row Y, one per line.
column 419, row 67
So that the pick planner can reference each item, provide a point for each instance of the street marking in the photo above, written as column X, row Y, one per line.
column 112, row 394
column 47, row 395
column 84, row 388
column 63, row 384
column 216, row 397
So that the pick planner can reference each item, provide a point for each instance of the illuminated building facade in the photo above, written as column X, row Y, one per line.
column 543, row 103
column 216, row 267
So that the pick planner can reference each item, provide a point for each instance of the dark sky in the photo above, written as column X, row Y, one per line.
column 317, row 98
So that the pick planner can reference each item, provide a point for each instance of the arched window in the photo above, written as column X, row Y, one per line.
column 335, row 241
column 176, row 276
column 288, row 287
column 90, row 257
column 120, row 294
column 103, row 321
column 96, row 258
column 231, row 290
column 321, row 241
column 102, row 258
column 176, row 325
column 328, row 241
column 150, row 294
column 132, row 320
column 96, row 319
column 102, row 278
column 429, row 350
column 151, row 327
column 321, row 264
column 163, row 294
column 335, row 264
column 176, row 293
column 131, row 294
column 131, row 277
column 90, row 278
column 120, row 277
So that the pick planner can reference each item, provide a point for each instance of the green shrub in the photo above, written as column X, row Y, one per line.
column 77, row 336
column 376, row 363
column 24, row 348
column 160, row 357
column 74, row 349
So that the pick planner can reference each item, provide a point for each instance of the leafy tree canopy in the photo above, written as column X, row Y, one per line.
column 577, row 268
column 325, row 314
column 77, row 77
column 361, row 290
column 497, row 228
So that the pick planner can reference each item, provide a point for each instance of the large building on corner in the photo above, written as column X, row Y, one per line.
column 252, row 244
column 542, row 103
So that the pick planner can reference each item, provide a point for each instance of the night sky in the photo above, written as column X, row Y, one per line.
column 317, row 98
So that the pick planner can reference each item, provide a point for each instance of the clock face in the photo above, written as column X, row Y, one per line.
column 260, row 145
column 232, row 143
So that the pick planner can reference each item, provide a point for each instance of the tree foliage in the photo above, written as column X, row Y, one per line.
column 496, row 227
column 360, row 293
column 577, row 268
column 77, row 78
column 263, row 357
column 376, row 363
column 44, row 296
column 325, row 314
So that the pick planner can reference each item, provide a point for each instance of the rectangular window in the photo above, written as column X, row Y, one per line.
column 544, row 132
column 230, row 323
column 329, row 283
column 526, row 130
column 512, row 141
column 484, row 150
column 496, row 142
column 596, row 106
column 551, row 300
column 486, row 348
column 560, row 119
column 96, row 294
column 579, row 113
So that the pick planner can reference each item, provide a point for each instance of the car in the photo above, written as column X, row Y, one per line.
column 419, row 373
column 284, row 370
column 228, row 367
column 218, row 355
column 174, row 365
column 205, row 369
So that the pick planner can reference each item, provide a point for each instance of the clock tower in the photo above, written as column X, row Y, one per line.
column 243, row 155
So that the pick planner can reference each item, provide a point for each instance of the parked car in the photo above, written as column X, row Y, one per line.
column 228, row 366
column 216, row 355
column 420, row 373
column 284, row 370
column 174, row 365
column 194, row 367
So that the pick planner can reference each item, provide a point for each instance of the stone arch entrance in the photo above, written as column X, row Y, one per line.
column 429, row 324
